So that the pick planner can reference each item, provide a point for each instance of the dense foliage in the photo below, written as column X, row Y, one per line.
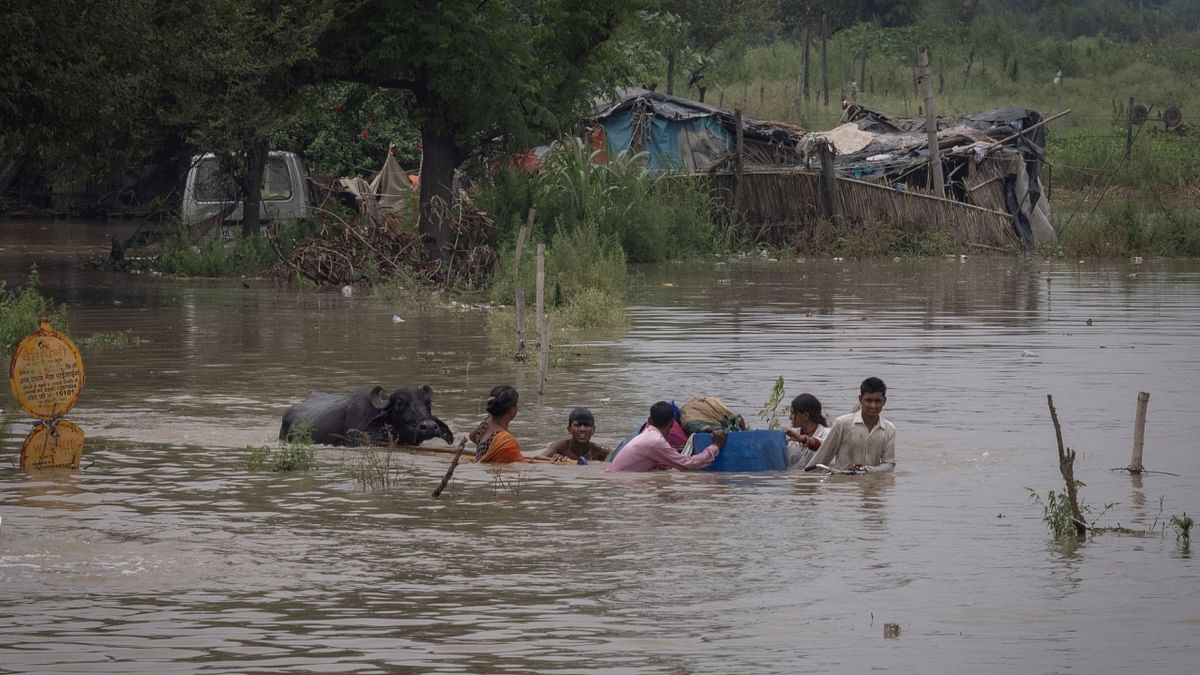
column 88, row 87
column 21, row 308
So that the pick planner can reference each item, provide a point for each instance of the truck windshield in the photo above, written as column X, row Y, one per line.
column 215, row 185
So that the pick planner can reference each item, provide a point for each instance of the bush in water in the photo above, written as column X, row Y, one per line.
column 246, row 255
column 20, row 310
column 296, row 453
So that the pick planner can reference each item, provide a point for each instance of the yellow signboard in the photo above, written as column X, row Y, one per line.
column 46, row 373
column 46, row 447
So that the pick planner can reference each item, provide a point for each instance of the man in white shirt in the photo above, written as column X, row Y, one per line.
column 863, row 441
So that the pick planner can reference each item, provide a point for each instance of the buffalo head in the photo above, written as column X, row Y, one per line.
column 406, row 415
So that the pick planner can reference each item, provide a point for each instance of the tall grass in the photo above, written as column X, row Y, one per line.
column 21, row 308
column 1125, row 228
column 213, row 257
column 594, row 219
column 653, row 218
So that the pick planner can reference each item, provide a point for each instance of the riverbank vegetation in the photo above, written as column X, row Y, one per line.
column 326, row 80
column 20, row 309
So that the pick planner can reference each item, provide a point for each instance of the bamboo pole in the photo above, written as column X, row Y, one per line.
column 1031, row 128
column 543, row 325
column 1139, row 432
column 522, row 236
column 935, row 161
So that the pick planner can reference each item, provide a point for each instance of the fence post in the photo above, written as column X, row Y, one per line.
column 1139, row 432
column 543, row 321
column 521, row 237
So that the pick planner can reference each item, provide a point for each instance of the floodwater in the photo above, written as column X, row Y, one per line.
column 165, row 554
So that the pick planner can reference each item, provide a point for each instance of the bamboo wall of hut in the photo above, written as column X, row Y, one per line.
column 791, row 199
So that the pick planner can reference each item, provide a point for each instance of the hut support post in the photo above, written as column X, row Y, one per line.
column 935, row 160
column 829, row 185
column 1139, row 433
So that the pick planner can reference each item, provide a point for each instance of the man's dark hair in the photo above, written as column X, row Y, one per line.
column 662, row 414
column 582, row 416
column 872, row 385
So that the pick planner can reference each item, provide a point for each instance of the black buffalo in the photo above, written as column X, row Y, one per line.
column 367, row 416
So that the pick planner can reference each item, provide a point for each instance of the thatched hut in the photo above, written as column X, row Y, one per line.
column 991, row 162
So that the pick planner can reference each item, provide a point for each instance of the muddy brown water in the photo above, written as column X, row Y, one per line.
column 167, row 555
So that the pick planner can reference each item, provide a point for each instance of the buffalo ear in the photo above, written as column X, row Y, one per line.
column 379, row 397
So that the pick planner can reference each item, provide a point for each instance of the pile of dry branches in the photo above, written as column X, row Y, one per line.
column 372, row 249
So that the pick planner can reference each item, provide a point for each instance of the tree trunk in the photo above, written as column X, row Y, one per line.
column 671, row 71
column 862, row 69
column 256, row 164
column 440, row 157
column 807, row 45
column 825, row 59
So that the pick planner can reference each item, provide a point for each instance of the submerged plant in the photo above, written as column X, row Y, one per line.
column 770, row 410
column 1056, row 511
column 296, row 453
column 120, row 338
column 1183, row 527
column 512, row 486
column 374, row 469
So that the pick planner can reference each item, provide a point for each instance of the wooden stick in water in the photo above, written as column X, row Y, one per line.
column 1139, row 433
column 462, row 444
column 1066, row 466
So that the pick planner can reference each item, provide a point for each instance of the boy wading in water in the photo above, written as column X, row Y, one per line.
column 863, row 441
column 579, row 446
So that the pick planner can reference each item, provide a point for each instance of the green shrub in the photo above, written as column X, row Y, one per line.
column 591, row 308
column 213, row 257
column 581, row 259
column 1183, row 527
column 20, row 310
column 1125, row 228
column 296, row 453
column 654, row 218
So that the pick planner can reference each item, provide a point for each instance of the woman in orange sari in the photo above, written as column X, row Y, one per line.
column 493, row 442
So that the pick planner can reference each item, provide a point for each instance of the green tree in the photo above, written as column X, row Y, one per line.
column 238, row 64
column 476, row 71
column 77, row 81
